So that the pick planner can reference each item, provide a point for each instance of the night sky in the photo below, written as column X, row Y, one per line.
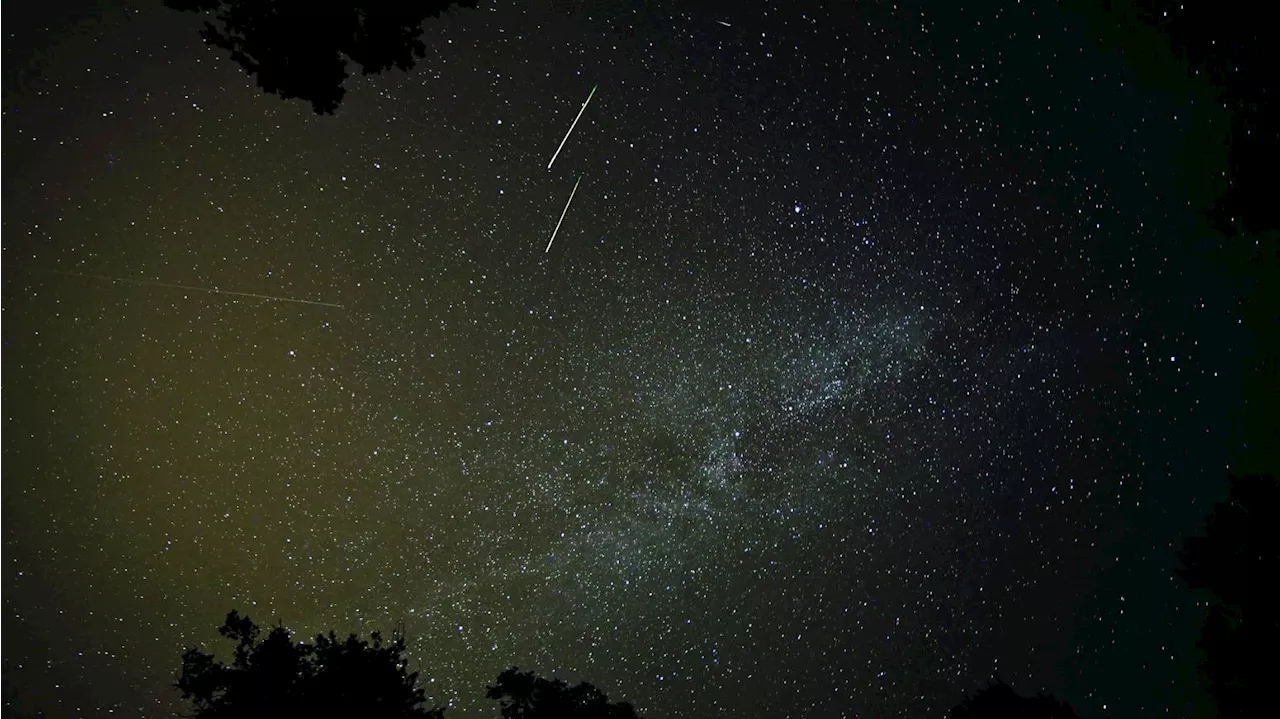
column 882, row 351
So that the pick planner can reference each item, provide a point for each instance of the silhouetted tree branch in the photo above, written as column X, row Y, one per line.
column 999, row 701
column 300, row 49
column 525, row 696
column 277, row 677
column 1237, row 560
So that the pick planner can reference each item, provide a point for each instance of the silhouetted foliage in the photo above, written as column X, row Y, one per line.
column 277, row 677
column 1230, row 43
column 297, row 48
column 1237, row 560
column 525, row 696
column 999, row 701
column 13, row 687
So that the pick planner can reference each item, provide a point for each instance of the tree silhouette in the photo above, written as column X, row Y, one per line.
column 999, row 701
column 10, row 705
column 1228, row 42
column 300, row 49
column 525, row 696
column 13, row 685
column 1237, row 560
column 277, row 677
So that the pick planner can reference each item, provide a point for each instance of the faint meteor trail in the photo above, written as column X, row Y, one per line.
column 170, row 285
column 722, row 22
column 562, row 214
column 570, row 132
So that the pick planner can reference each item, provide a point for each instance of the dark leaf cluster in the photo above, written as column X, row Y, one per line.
column 274, row 676
column 523, row 695
column 300, row 49
column 999, row 701
column 1237, row 559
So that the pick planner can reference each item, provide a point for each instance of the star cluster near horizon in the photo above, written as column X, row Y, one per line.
column 817, row 406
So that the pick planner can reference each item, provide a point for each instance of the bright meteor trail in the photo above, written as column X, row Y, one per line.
column 570, row 132
column 566, row 210
column 170, row 285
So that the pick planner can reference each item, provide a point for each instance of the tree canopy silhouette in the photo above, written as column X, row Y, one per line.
column 278, row 677
column 13, row 693
column 999, row 701
column 1237, row 560
column 300, row 49
column 1230, row 43
column 526, row 696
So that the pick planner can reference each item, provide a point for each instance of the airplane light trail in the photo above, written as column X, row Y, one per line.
column 170, row 285
column 570, row 132
column 562, row 214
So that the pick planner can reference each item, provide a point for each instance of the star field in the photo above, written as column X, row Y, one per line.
column 863, row 368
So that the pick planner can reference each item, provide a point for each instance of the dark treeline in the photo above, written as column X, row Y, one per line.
column 273, row 675
column 1237, row 559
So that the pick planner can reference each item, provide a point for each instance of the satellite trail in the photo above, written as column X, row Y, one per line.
column 170, row 285
column 570, row 132
column 562, row 214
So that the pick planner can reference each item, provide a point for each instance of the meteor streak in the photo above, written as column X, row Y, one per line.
column 562, row 214
column 570, row 132
column 170, row 285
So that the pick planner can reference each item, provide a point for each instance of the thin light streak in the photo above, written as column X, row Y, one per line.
column 562, row 214
column 575, row 124
column 175, row 286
